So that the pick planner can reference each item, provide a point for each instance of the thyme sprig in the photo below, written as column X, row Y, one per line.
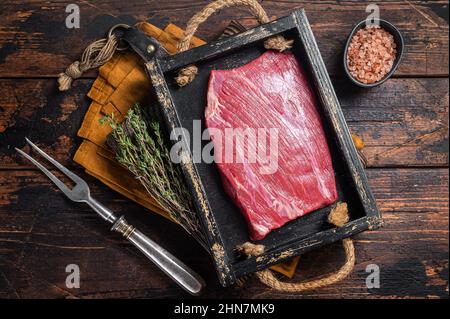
column 140, row 147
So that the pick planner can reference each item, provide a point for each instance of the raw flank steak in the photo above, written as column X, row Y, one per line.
column 271, row 92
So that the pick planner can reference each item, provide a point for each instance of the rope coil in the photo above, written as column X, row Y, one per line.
column 338, row 217
column 95, row 55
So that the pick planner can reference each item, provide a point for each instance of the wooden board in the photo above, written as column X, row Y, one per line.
column 41, row 230
column 414, row 111
column 34, row 41
column 404, row 124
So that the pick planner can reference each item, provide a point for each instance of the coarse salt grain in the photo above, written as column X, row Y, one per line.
column 371, row 54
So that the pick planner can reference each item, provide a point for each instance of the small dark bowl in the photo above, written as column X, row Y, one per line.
column 389, row 27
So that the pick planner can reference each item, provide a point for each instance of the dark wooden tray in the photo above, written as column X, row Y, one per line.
column 223, row 223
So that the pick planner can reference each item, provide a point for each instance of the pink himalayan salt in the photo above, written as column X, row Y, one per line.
column 371, row 54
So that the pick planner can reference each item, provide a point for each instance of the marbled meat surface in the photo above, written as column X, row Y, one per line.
column 293, row 174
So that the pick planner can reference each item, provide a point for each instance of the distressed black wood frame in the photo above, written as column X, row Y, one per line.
column 159, row 67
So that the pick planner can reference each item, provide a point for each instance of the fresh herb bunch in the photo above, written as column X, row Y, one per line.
column 141, row 149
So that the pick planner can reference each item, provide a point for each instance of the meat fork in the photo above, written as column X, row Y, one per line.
column 174, row 268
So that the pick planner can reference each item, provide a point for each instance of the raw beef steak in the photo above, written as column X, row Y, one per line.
column 270, row 93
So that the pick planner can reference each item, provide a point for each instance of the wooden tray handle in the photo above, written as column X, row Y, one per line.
column 338, row 217
column 187, row 74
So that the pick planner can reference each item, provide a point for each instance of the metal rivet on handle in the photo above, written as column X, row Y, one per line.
column 150, row 48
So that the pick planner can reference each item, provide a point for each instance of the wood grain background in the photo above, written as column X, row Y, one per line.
column 404, row 124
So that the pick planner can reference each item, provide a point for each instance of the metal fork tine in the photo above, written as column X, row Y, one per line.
column 54, row 179
column 67, row 172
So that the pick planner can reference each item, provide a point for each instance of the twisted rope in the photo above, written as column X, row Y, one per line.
column 187, row 74
column 95, row 55
column 339, row 217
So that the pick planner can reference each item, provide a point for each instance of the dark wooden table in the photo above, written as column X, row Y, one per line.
column 404, row 124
